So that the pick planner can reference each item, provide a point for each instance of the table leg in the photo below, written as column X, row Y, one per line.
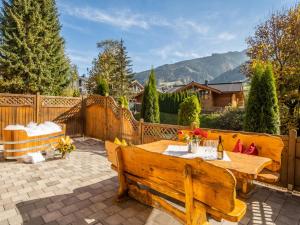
column 247, row 188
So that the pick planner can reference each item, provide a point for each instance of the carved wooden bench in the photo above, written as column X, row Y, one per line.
column 200, row 187
column 268, row 146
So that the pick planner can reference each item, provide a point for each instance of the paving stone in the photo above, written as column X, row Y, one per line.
column 115, row 219
column 82, row 190
column 51, row 216
column 55, row 206
column 68, row 209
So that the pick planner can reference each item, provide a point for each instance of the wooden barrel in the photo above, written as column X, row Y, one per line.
column 17, row 143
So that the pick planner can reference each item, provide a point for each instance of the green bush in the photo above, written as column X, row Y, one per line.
column 231, row 119
column 76, row 93
column 102, row 87
column 189, row 111
column 123, row 102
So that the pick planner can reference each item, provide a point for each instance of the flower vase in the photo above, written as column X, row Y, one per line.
column 65, row 155
column 195, row 145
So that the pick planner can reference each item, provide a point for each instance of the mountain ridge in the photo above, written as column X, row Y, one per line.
column 198, row 69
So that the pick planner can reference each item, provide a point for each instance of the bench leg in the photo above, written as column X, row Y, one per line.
column 199, row 216
column 194, row 216
column 123, row 186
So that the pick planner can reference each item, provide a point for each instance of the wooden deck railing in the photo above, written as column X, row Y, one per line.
column 100, row 117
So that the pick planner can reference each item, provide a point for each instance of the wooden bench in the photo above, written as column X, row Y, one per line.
column 269, row 146
column 200, row 187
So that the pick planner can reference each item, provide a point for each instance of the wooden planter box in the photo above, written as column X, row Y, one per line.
column 17, row 143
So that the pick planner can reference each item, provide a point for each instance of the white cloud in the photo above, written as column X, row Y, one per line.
column 188, row 27
column 225, row 36
column 124, row 19
column 174, row 51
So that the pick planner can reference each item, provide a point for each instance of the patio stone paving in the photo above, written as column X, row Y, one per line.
column 82, row 189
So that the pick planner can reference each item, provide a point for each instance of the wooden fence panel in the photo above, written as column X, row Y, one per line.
column 114, row 121
column 130, row 130
column 95, row 117
column 16, row 109
column 65, row 110
column 297, row 165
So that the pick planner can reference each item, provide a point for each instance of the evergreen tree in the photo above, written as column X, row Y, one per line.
column 253, row 107
column 189, row 111
column 32, row 57
column 269, row 118
column 104, row 66
column 150, row 104
column 262, row 110
column 123, row 73
column 113, row 65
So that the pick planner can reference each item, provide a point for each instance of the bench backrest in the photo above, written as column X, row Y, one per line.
column 268, row 146
column 212, row 185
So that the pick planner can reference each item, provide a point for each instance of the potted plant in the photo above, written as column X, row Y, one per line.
column 65, row 146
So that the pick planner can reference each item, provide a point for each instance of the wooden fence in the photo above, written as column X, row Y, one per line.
column 101, row 118
column 22, row 109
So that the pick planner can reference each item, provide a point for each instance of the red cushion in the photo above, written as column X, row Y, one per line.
column 251, row 150
column 238, row 147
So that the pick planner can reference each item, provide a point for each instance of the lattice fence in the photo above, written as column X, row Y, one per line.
column 154, row 132
column 54, row 101
column 17, row 100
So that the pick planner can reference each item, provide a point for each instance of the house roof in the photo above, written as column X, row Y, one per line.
column 228, row 87
column 217, row 87
column 136, row 82
column 198, row 85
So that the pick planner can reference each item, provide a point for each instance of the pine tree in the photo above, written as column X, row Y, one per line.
column 150, row 105
column 270, row 119
column 32, row 57
column 123, row 73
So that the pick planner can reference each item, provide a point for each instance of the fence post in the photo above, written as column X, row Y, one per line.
column 105, row 118
column 83, row 115
column 121, row 121
column 141, row 131
column 37, row 107
column 291, row 158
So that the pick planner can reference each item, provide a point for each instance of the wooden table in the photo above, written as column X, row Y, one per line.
column 244, row 167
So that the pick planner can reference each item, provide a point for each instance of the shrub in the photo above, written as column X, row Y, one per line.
column 189, row 111
column 123, row 102
column 102, row 87
column 229, row 119
column 76, row 93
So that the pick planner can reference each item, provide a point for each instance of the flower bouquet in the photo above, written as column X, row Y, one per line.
column 193, row 138
column 65, row 146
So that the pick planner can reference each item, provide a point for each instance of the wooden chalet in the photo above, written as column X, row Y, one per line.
column 214, row 97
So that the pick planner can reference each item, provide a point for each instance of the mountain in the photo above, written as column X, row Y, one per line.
column 230, row 76
column 199, row 69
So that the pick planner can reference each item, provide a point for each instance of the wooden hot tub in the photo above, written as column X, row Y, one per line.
column 17, row 143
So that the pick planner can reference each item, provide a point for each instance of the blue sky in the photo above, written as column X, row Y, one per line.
column 157, row 32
